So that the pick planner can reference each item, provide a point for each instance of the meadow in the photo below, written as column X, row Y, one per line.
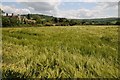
column 60, row 52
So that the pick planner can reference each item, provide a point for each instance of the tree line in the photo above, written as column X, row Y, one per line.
column 44, row 20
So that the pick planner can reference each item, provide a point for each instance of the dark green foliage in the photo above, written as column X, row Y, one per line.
column 14, row 21
column 83, row 22
column 118, row 22
column 1, row 11
column 10, row 74
column 48, row 24
column 5, row 22
column 55, row 20
column 72, row 22
column 10, row 22
column 29, row 16
column 39, row 21
column 50, row 20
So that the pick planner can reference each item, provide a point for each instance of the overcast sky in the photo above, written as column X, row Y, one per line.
column 63, row 8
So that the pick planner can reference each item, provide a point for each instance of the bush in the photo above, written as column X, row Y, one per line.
column 48, row 24
column 8, row 22
column 118, row 22
column 39, row 25
column 5, row 22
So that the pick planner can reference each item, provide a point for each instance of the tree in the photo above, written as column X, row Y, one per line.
column 83, row 22
column 48, row 24
column 8, row 21
column 56, row 20
column 5, row 21
column 118, row 22
column 72, row 22
column 1, row 11
column 14, row 21
column 28, row 16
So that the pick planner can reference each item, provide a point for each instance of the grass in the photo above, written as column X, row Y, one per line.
column 60, row 52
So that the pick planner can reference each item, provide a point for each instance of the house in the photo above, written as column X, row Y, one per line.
column 27, row 21
column 21, row 19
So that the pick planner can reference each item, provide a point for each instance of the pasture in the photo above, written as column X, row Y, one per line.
column 60, row 52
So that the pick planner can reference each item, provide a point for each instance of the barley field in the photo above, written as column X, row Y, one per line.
column 60, row 52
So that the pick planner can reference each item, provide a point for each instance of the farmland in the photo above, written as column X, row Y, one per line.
column 60, row 52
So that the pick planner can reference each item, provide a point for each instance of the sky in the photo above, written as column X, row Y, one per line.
column 77, row 9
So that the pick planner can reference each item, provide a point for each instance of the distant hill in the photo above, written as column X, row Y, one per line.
column 45, row 20
column 97, row 21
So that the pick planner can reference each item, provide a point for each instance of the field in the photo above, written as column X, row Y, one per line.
column 60, row 52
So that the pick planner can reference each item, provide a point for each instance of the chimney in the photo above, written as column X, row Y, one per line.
column 12, row 14
column 18, row 14
column 6, row 14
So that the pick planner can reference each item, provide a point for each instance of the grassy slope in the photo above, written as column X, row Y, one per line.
column 54, row 52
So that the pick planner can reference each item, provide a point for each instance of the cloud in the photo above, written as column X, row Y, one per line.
column 41, row 6
column 46, row 7
column 90, row 0
column 101, row 10
column 37, row 0
column 107, row 4
column 61, row 0
column 12, row 9
column 76, row 14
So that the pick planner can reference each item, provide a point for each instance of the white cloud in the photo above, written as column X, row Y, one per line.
column 61, row 0
column 37, row 1
column 106, row 4
column 41, row 5
column 11, row 9
column 102, row 10
column 90, row 0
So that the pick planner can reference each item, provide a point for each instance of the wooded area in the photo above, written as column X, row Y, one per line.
column 45, row 20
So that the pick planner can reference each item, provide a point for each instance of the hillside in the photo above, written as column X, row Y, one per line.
column 45, row 20
column 97, row 21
